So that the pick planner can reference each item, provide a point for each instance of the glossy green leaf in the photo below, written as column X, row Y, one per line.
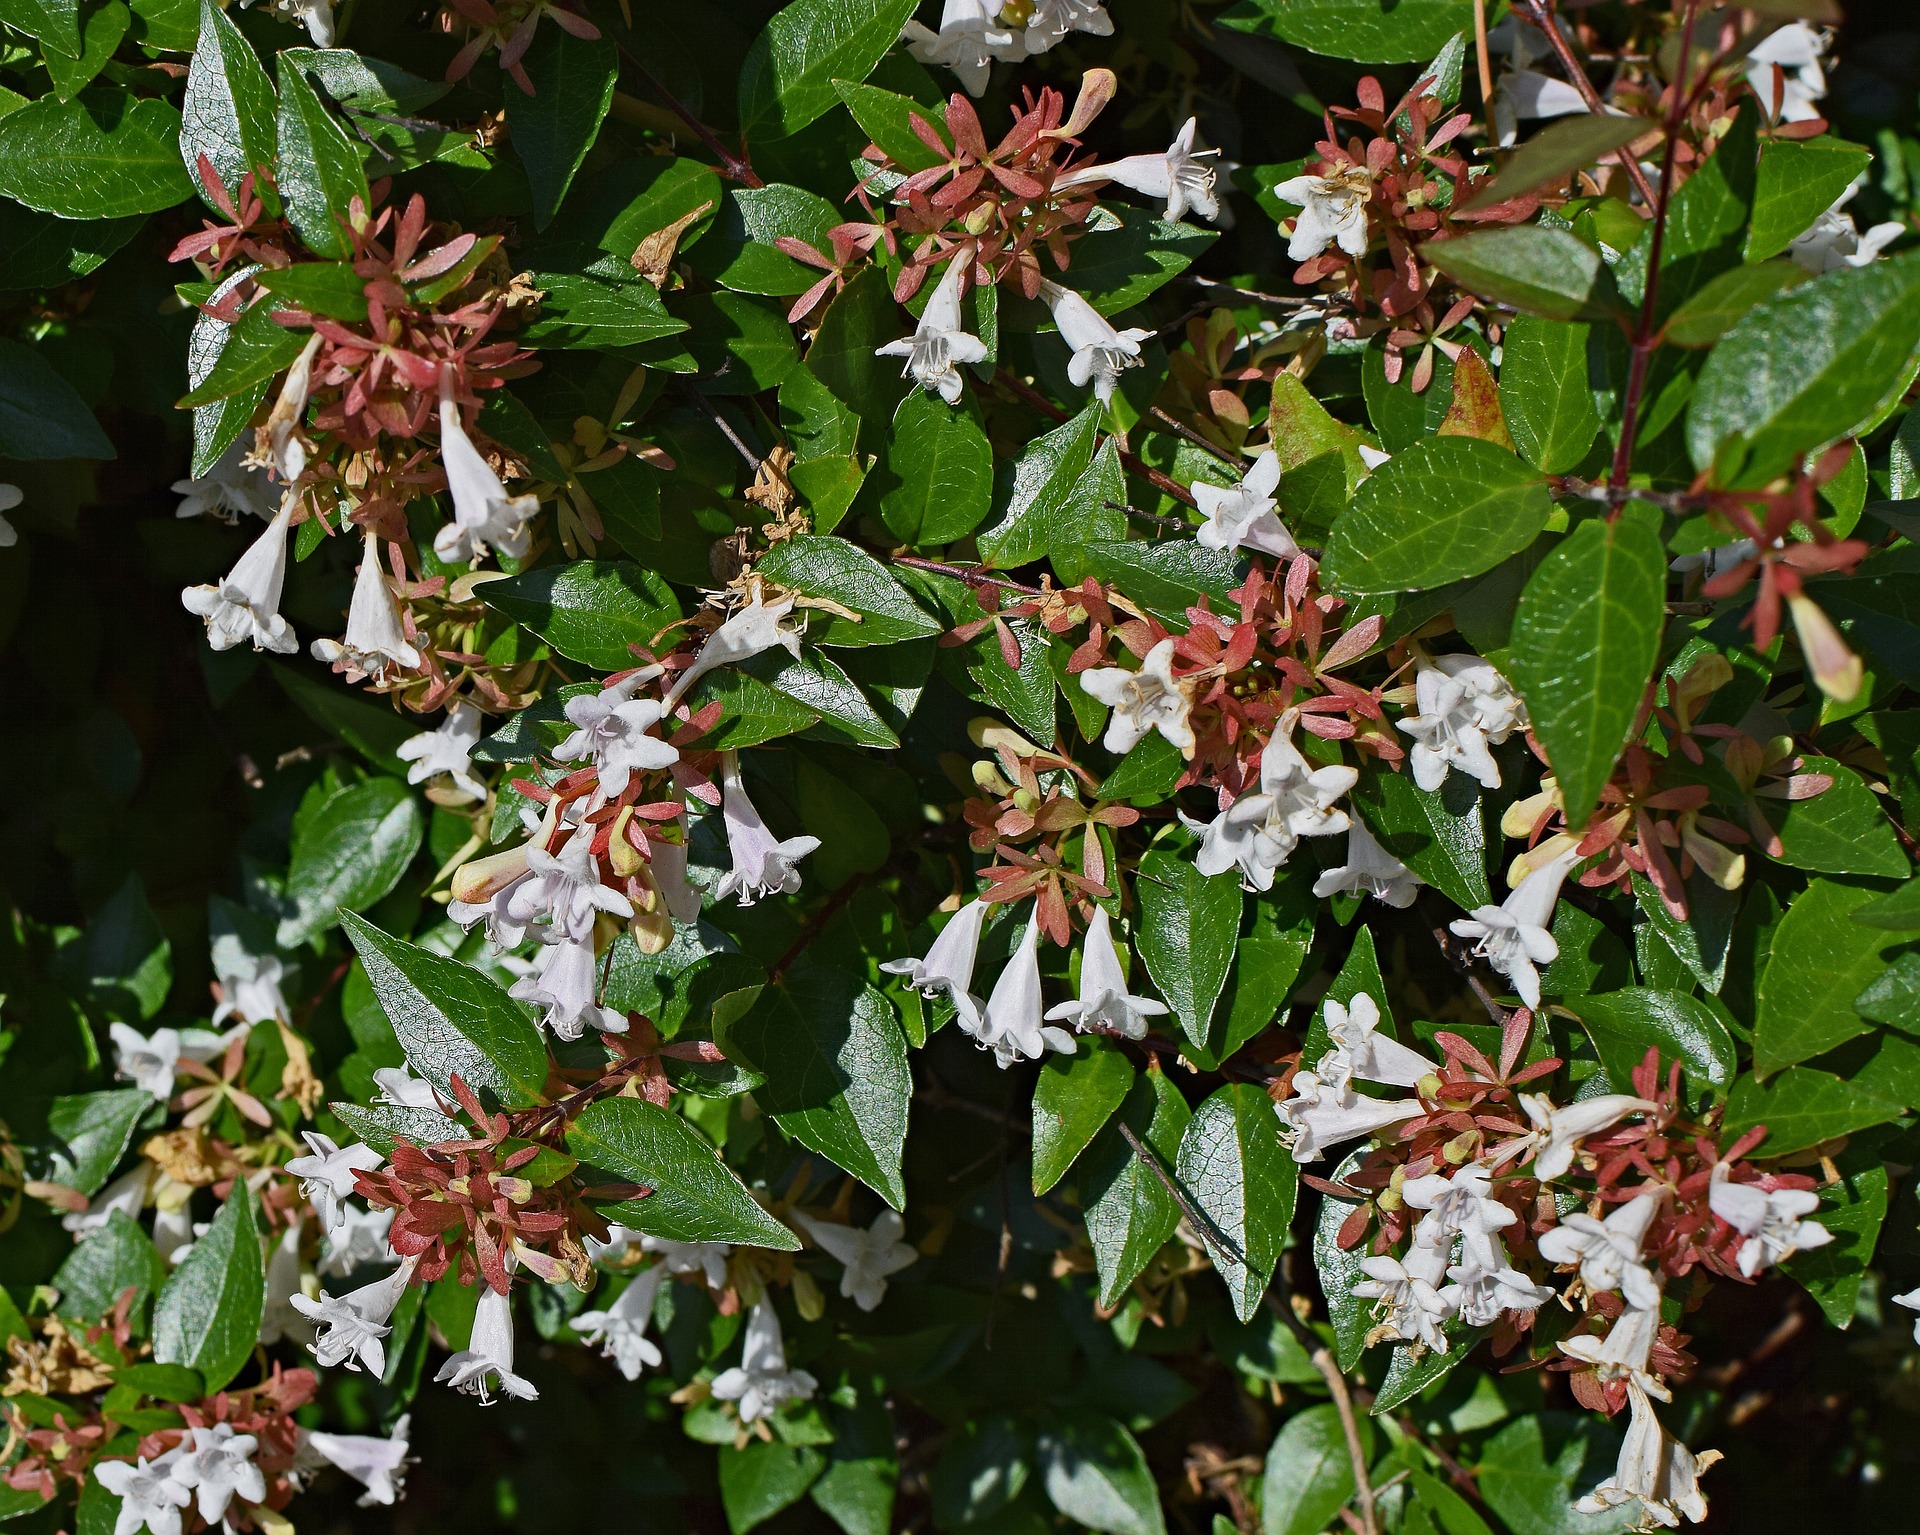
column 739, row 253
column 1852, row 1209
column 1232, row 1165
column 788, row 77
column 349, row 854
column 939, row 471
column 1169, row 577
column 1534, row 268
column 228, row 113
column 1841, row 830
column 1799, row 180
column 316, row 167
column 1624, row 1024
column 844, row 574
column 758, row 1480
column 41, row 414
column 1441, row 837
column 1544, row 395
column 589, row 610
column 1129, row 1212
column 1366, row 31
column 1073, row 1099
column 1721, row 304
column 1804, row 1106
column 105, row 154
column 1563, row 146
column 252, row 351
column 1186, row 934
column 90, row 1133
column 125, row 964
column 92, row 1278
column 981, row 1471
column 330, row 288
column 1114, row 269
column 553, row 128
column 580, row 311
column 1819, row 962
column 208, row 1313
column 887, row 119
column 1036, row 491
column 1309, row 1476
column 1096, row 1475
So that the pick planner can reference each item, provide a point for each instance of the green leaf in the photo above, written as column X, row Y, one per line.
column 758, row 1480
column 1841, row 830
column 383, row 1125
column 1564, row 146
column 819, row 683
column 48, row 252
column 1623, row 1023
column 54, row 23
column 819, row 566
column 316, row 168
column 751, row 711
column 1149, row 770
column 1129, row 1213
column 90, row 1134
column 589, row 610
column 105, row 27
column 553, row 129
column 1366, row 31
column 1309, row 1475
column 1804, row 368
column 126, row 964
column 349, row 854
column 208, row 1314
column 1544, row 395
column 1803, row 1106
column 589, row 312
column 1073, row 1099
column 162, row 1382
column 1169, row 577
column 330, row 288
column 1853, row 1208
column 1820, row 960
column 1721, row 304
column 372, row 85
column 1442, row 510
column 1188, row 927
column 1898, row 912
column 939, row 471
column 843, row 356
column 887, row 119
column 1534, row 1495
column 1232, row 1164
column 1799, row 179
column 835, row 1059
column 1585, row 640
column 254, row 349
column 1705, row 223
column 1408, row 1373
column 1114, row 269
column 739, row 252
column 41, row 415
column 740, row 344
column 1339, row 1270
column 788, row 78
column 229, row 108
column 1038, row 492
column 696, row 1197
column 983, row 1468
column 1533, row 268
column 1096, row 1475
column 1441, row 837
column 105, row 154
column 370, row 728
column 857, row 1489
column 450, row 1019
column 92, row 1278
column 1094, row 512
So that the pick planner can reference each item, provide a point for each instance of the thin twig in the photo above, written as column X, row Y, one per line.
column 973, row 575
column 726, row 428
column 1026, row 392
column 1459, row 962
column 1323, row 1359
column 1280, row 300
column 815, row 924
column 1178, row 523
column 1541, row 15
column 734, row 167
column 1480, row 53
column 1196, row 1217
column 1225, row 457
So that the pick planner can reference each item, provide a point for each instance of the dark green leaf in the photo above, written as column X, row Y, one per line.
column 1898, row 912
column 739, row 252
column 887, row 119
column 126, row 964
column 1038, row 492
column 1723, row 303
column 92, row 1278
column 1624, row 1023
column 1841, row 830
column 1129, row 1212
column 1186, row 934
column 1544, row 395
column 1530, row 1470
column 1309, row 1474
column 349, row 855
column 330, row 288
column 1117, row 268
column 1167, row 578
column 817, row 682
column 370, row 728
column 981, row 1471
column 591, row 312
column 1149, row 770
column 1232, row 1164
column 1803, row 1107
column 939, row 469
column 316, row 167
column 208, row 1314
column 1820, row 961
column 41, row 416
column 589, row 610
column 162, row 1382
column 1534, row 268
column 228, row 111
column 1366, row 31
column 1441, row 837
column 1095, row 1474
column 833, row 568
column 383, row 1125
column 1073, row 1099
column 1565, row 145
column 554, row 128
column 253, row 349
column 1799, row 180
column 788, row 77
column 105, row 154
column 90, row 1134
column 758, row 1480
column 1852, row 1208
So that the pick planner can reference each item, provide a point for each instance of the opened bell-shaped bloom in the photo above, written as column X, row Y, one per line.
column 1182, row 176
column 1100, row 353
column 615, row 731
column 1513, row 937
column 564, row 981
column 488, row 1354
column 948, row 967
column 1323, row 1114
column 377, row 1464
column 562, row 892
column 970, row 37
column 1361, row 1050
column 1104, row 1002
column 1558, row 1132
column 1462, row 706
column 326, row 1174
column 1785, row 67
column 755, row 627
column 1407, row 1298
column 1049, row 21
column 1013, row 1025
column 278, row 1317
column 244, row 604
column 940, row 341
column 233, row 488
column 1143, row 701
column 1655, row 1470
column 399, row 1087
column 151, row 1498
column 447, row 749
column 358, row 1241
column 218, row 1465
column 868, row 1258
column 1370, row 870
column 762, row 1383
column 1608, row 1251
column 1333, row 211
column 762, row 863
column 1833, row 241
column 1243, row 516
column 1258, row 832
column 1462, row 1203
column 286, row 448
column 1524, row 94
column 249, row 988
column 1623, row 1354
column 1773, row 1221
column 483, row 513
column 620, row 1330
column 150, row 1062
column 375, row 641
column 1485, row 1284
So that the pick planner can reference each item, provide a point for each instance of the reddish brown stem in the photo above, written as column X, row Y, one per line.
column 1540, row 13
column 735, row 167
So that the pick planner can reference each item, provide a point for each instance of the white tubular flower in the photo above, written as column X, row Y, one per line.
column 1524, row 94
column 10, row 497
column 707, row 1259
column 563, row 981
column 669, row 865
column 1462, row 1204
column 377, row 1464
column 359, row 1240
column 1259, row 831
column 286, row 449
column 315, row 15
column 1608, row 1252
column 127, row 1194
column 761, row 1383
column 483, row 513
column 488, row 1353
column 1361, row 1050
column 233, row 488
column 1773, row 1222
column 1911, row 1300
column 279, row 1318
column 1370, row 870
column 1623, row 1354
column 398, row 1086
column 375, row 642
column 1014, row 1025
column 1785, row 66
column 245, row 603
column 1242, row 516
column 1408, row 1303
column 762, row 864
column 1333, row 211
column 1181, row 175
column 868, row 1257
column 1100, row 353
column 1486, row 1285
column 1323, row 1114
column 614, row 730
column 249, row 990
column 968, row 41
column 1557, row 1132
column 1513, row 937
column 563, row 894
column 1144, row 701
column 149, row 1495
column 219, row 1466
column 620, row 1330
column 447, row 749
column 1105, row 1003
column 755, row 628
column 1833, row 241
column 1049, row 21
column 940, row 340
column 1462, row 707
column 948, row 967
column 326, row 1176
column 173, row 1231
column 150, row 1062
column 1656, row 1470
